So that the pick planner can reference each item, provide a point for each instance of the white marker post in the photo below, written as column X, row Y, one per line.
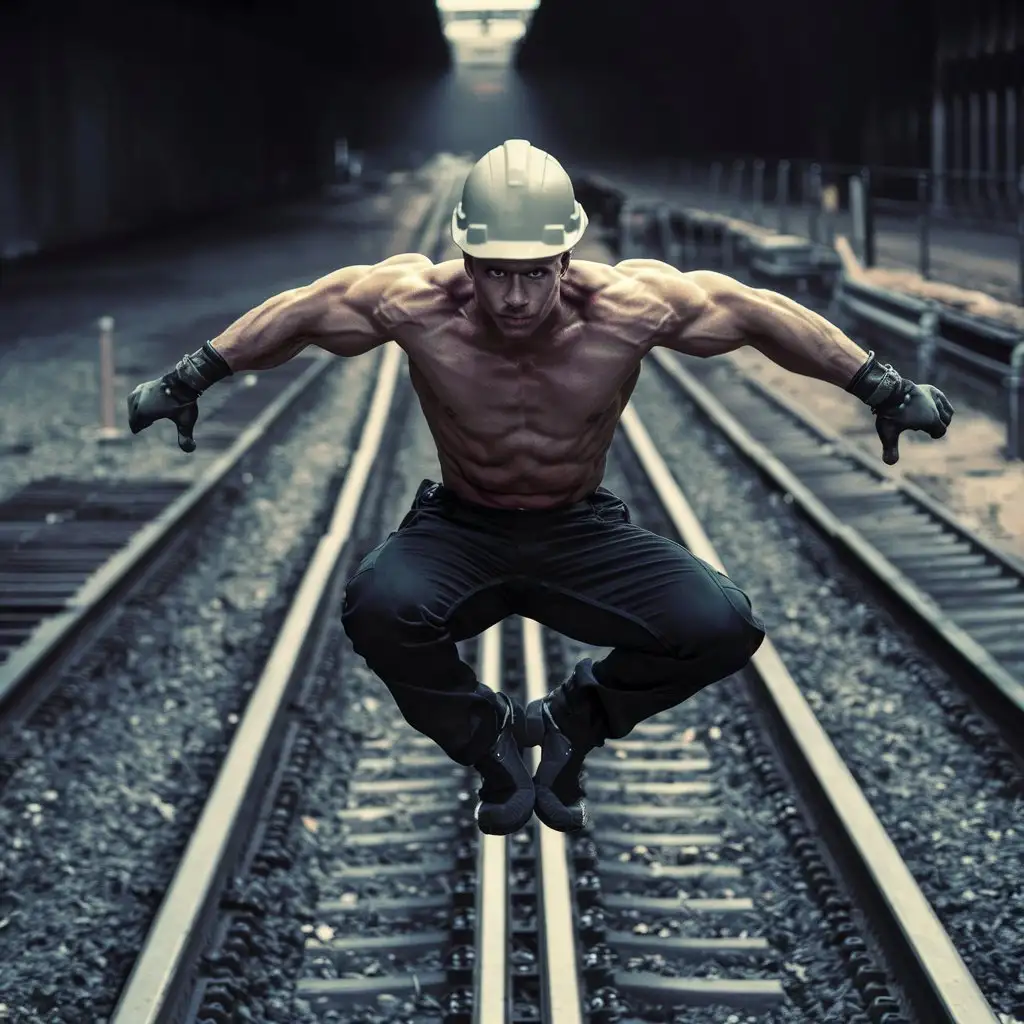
column 108, row 429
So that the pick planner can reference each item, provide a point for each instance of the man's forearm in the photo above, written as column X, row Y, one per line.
column 801, row 341
column 265, row 337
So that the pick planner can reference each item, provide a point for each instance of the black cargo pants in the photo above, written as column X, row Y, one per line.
column 452, row 569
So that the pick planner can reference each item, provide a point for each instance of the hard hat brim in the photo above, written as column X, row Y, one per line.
column 499, row 249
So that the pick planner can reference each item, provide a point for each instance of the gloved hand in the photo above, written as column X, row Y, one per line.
column 921, row 407
column 173, row 396
column 899, row 404
column 167, row 398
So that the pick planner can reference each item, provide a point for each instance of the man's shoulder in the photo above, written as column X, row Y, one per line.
column 420, row 289
column 426, row 283
column 633, row 290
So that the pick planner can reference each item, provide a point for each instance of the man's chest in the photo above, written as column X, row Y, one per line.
column 577, row 381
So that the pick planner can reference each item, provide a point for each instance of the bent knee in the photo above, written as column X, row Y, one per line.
column 385, row 609
column 722, row 623
column 738, row 633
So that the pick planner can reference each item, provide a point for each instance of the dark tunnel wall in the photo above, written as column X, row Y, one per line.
column 794, row 78
column 115, row 116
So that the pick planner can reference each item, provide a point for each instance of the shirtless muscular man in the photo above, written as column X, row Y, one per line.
column 523, row 362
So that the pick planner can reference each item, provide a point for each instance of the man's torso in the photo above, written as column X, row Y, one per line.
column 524, row 423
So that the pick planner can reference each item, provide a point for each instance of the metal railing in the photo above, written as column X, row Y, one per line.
column 935, row 336
column 809, row 197
column 938, row 335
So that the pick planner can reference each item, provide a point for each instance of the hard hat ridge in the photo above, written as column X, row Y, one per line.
column 517, row 203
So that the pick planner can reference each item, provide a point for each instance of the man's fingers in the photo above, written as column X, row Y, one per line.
column 889, row 435
column 185, row 421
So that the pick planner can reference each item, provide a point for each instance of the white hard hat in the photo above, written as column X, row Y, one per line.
column 517, row 204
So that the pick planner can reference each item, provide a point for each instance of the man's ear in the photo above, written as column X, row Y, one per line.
column 467, row 262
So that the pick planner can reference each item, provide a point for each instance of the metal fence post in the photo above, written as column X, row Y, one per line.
column 736, row 187
column 1015, row 403
column 108, row 429
column 625, row 234
column 758, row 189
column 928, row 327
column 1020, row 232
column 869, row 219
column 716, row 178
column 666, row 235
column 782, row 196
column 690, row 247
column 923, row 224
column 814, row 181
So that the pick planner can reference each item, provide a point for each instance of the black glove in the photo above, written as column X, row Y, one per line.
column 167, row 398
column 898, row 405
column 173, row 396
column 922, row 407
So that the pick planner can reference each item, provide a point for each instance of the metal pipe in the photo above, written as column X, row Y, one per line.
column 1020, row 235
column 758, row 189
column 1015, row 404
column 923, row 224
column 782, row 196
column 108, row 425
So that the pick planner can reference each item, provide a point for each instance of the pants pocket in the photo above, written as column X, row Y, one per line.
column 369, row 560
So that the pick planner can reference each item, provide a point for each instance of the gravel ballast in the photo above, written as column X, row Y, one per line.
column 96, row 814
column 801, row 952
column 952, row 819
column 786, row 913
column 357, row 705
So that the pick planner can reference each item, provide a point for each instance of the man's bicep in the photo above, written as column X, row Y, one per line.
column 714, row 313
column 352, row 311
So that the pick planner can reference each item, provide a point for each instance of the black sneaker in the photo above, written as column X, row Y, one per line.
column 506, row 796
column 560, row 802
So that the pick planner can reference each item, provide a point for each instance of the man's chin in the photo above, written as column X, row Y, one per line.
column 516, row 325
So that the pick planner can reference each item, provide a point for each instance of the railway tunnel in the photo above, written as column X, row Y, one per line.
column 157, row 702
column 115, row 116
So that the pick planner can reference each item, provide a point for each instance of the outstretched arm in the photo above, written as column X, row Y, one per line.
column 345, row 312
column 341, row 313
column 714, row 314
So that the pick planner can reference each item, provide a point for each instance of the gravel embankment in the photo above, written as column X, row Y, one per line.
column 951, row 817
column 94, row 818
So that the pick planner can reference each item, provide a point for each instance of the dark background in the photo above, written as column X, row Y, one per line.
column 114, row 115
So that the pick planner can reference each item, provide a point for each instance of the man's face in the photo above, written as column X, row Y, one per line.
column 518, row 294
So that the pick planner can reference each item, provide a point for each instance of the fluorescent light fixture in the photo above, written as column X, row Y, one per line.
column 486, row 6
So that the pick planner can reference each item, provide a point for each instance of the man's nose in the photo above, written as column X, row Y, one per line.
column 516, row 296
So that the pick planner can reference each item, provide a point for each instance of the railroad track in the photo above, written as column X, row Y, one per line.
column 426, row 916
column 964, row 596
column 74, row 551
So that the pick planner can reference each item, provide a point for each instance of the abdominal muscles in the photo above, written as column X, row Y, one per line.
column 519, row 436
